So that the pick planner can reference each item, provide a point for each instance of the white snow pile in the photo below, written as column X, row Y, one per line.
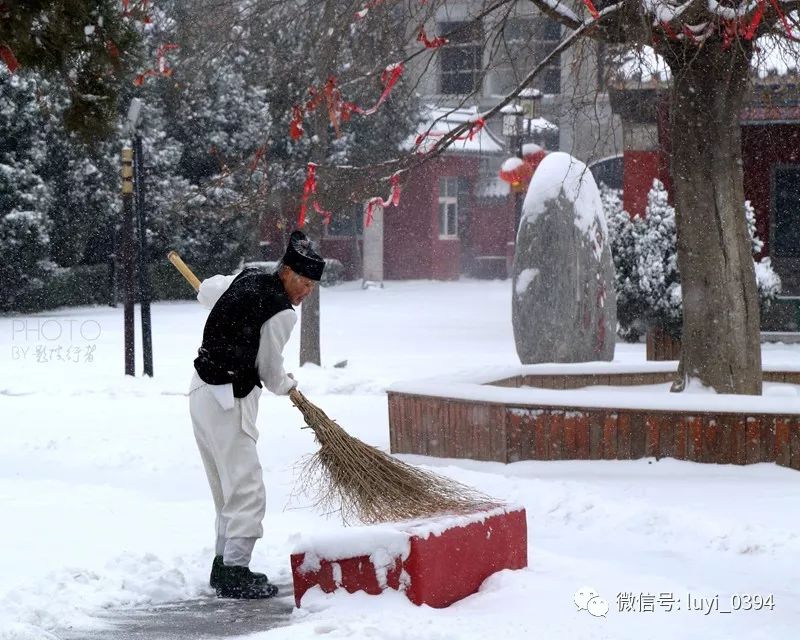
column 768, row 281
column 524, row 280
column 512, row 164
column 106, row 505
column 529, row 148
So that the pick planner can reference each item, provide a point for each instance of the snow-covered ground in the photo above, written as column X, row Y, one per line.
column 105, row 504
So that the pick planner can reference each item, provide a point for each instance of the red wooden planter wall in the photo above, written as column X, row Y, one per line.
column 451, row 428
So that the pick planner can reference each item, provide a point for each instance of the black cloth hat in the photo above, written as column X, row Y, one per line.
column 301, row 258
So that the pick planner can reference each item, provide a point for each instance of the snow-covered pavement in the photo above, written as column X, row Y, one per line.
column 105, row 503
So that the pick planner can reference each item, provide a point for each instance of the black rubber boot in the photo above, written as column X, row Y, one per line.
column 240, row 582
column 217, row 565
column 213, row 580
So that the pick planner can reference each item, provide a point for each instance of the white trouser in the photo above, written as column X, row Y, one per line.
column 227, row 443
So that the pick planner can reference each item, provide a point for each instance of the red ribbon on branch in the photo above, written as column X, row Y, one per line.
column 296, row 125
column 7, row 56
column 474, row 129
column 786, row 24
column 668, row 30
column 126, row 9
column 592, row 9
column 437, row 42
column 340, row 110
column 257, row 157
column 377, row 201
column 732, row 28
column 323, row 212
column 309, row 187
column 162, row 69
column 759, row 13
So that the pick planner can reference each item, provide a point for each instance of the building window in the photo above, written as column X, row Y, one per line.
column 786, row 239
column 551, row 79
column 461, row 59
column 549, row 32
column 527, row 41
column 551, row 29
column 448, row 207
column 519, row 31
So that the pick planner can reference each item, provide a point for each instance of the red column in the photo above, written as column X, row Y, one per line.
column 643, row 161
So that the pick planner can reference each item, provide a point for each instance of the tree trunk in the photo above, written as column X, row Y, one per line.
column 720, row 339
column 310, row 350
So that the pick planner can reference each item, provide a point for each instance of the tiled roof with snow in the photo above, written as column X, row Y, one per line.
column 491, row 188
column 442, row 120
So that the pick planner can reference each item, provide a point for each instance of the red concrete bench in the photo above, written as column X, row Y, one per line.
column 435, row 562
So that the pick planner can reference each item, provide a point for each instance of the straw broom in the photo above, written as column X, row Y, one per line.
column 363, row 482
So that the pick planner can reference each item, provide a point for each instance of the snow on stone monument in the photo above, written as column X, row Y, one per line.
column 563, row 301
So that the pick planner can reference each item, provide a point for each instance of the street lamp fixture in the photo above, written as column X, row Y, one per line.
column 513, row 116
column 134, row 116
column 530, row 98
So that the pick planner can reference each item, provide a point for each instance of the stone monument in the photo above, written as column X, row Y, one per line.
column 563, row 302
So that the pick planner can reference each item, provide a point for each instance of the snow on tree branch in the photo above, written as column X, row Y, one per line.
column 566, row 15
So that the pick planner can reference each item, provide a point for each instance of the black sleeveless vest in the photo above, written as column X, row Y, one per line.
column 233, row 330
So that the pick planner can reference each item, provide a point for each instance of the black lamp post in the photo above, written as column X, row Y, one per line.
column 134, row 117
column 513, row 116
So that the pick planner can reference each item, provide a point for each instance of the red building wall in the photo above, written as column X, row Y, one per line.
column 491, row 225
column 407, row 227
column 640, row 168
column 763, row 147
column 412, row 247
column 344, row 250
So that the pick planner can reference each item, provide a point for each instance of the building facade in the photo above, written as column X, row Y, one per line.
column 456, row 217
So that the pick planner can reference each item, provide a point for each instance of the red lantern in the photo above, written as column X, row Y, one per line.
column 533, row 154
column 516, row 172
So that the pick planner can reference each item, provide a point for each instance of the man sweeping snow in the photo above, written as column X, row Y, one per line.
column 250, row 322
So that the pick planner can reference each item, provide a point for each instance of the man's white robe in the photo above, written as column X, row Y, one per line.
column 226, row 434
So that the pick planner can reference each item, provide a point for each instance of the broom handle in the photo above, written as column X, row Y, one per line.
column 186, row 272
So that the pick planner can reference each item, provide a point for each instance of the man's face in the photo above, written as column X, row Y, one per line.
column 297, row 287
